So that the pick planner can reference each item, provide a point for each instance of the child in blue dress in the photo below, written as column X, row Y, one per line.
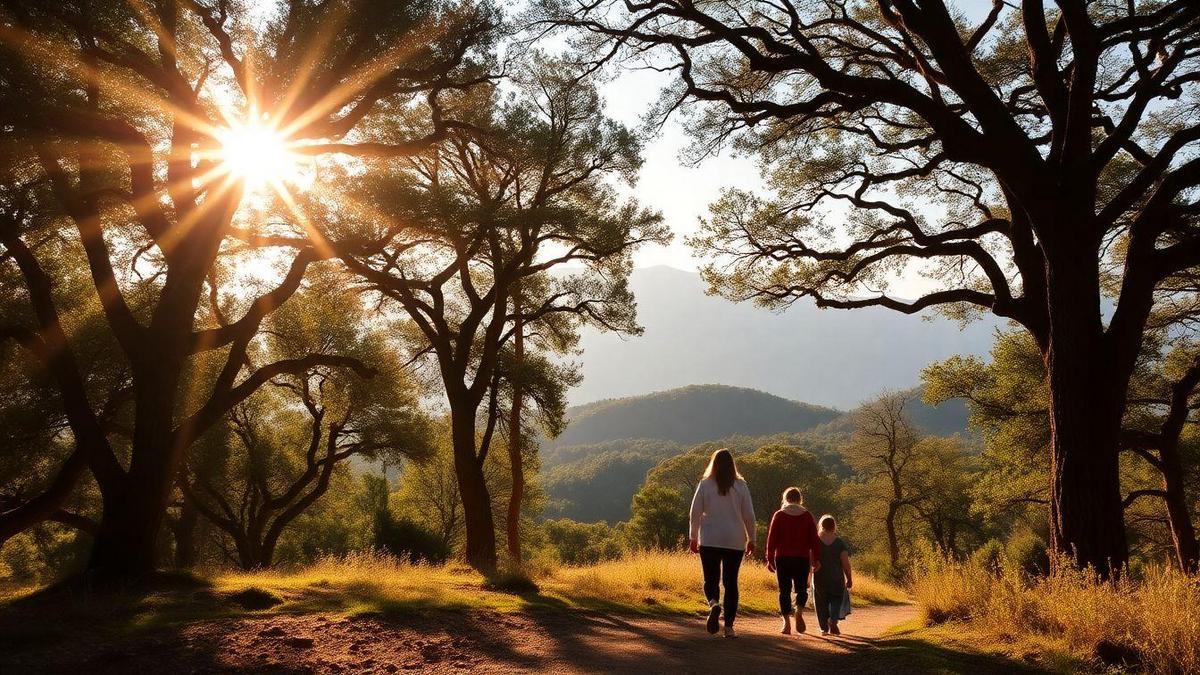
column 832, row 578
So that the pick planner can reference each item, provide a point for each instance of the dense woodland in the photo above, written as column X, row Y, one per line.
column 362, row 334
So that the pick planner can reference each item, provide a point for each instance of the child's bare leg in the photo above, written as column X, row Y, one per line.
column 786, row 629
column 800, row 625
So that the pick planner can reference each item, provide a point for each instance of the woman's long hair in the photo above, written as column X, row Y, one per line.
column 722, row 469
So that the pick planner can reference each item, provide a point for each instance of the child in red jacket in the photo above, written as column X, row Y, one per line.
column 792, row 542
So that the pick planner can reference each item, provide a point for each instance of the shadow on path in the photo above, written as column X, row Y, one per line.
column 153, row 633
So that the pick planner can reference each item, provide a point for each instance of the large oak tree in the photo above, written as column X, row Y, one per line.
column 121, row 107
column 1003, row 155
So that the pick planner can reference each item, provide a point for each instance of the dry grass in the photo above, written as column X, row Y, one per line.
column 658, row 583
column 670, row 582
column 1152, row 623
column 365, row 582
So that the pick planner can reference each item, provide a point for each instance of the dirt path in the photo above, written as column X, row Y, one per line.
column 545, row 641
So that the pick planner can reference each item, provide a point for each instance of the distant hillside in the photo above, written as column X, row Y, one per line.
column 593, row 470
column 691, row 415
column 590, row 483
column 945, row 419
column 831, row 357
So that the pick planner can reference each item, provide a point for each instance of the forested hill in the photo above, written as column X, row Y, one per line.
column 593, row 470
column 691, row 415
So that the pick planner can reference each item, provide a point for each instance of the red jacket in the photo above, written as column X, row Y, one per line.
column 793, row 533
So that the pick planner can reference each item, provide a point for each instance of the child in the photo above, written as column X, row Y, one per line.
column 831, row 578
column 791, row 544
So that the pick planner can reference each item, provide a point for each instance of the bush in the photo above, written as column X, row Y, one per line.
column 22, row 560
column 582, row 543
column 407, row 540
column 1152, row 621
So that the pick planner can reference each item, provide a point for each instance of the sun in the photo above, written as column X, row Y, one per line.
column 254, row 152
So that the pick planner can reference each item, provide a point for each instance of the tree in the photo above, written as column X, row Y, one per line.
column 771, row 469
column 543, row 383
column 905, row 478
column 1003, row 156
column 882, row 453
column 118, row 106
column 1007, row 401
column 657, row 520
column 277, row 454
column 451, row 237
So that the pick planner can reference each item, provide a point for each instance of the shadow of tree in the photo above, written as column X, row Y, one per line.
column 325, row 628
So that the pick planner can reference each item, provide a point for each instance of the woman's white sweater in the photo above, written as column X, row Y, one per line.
column 722, row 520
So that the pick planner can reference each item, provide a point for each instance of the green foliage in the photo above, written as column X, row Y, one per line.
column 771, row 469
column 659, row 513
column 577, row 543
column 692, row 414
column 659, row 520
column 407, row 540
column 600, row 485
column 338, row 524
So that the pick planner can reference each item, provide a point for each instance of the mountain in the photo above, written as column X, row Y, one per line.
column 835, row 358
column 691, row 415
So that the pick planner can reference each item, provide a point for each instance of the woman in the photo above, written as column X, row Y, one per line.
column 721, row 530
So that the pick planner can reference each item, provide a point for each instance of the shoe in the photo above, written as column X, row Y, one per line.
column 824, row 632
column 729, row 632
column 834, row 629
column 714, row 619
column 800, row 625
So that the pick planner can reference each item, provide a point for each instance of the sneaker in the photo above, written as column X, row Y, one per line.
column 824, row 632
column 714, row 619
column 800, row 625
column 729, row 632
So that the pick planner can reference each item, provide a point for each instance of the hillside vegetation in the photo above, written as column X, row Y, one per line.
column 691, row 415
column 594, row 469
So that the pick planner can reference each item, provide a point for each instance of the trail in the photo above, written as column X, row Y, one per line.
column 535, row 641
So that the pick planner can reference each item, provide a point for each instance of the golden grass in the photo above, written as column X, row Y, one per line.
column 670, row 582
column 368, row 581
column 656, row 583
column 1154, row 621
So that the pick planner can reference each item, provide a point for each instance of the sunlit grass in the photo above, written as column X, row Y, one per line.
column 662, row 584
column 1070, row 615
column 670, row 582
column 655, row 583
column 365, row 582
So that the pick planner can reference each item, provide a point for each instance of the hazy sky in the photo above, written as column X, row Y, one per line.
column 683, row 193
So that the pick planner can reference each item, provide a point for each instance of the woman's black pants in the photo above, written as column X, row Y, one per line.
column 721, row 567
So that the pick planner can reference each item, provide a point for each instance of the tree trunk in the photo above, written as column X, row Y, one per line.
column 1086, row 405
column 892, row 539
column 477, row 503
column 184, row 530
column 125, row 547
column 515, row 439
column 1183, row 533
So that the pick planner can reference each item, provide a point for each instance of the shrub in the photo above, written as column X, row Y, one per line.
column 407, row 540
column 582, row 543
